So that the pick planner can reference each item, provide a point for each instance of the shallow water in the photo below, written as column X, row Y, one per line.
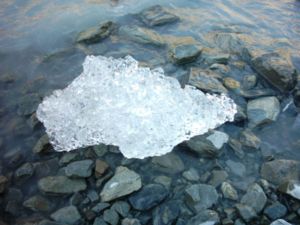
column 37, row 47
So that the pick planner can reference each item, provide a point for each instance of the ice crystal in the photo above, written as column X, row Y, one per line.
column 116, row 102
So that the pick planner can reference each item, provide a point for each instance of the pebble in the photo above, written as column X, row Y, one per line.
column 38, row 203
column 275, row 211
column 111, row 217
column 229, row 192
column 255, row 198
column 79, row 169
column 67, row 215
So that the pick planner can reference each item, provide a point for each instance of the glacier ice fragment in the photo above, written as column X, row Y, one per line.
column 116, row 102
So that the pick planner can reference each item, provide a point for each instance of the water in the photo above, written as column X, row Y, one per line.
column 38, row 50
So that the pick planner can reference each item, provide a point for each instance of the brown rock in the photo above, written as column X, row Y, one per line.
column 100, row 168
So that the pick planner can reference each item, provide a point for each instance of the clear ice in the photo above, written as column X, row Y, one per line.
column 116, row 102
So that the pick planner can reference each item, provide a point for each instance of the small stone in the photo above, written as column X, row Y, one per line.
column 111, row 217
column 76, row 199
column 205, row 217
column 148, row 197
column 217, row 177
column 68, row 215
column 28, row 104
column 41, row 144
column 15, row 195
column 170, row 163
column 100, row 207
column 257, row 93
column 124, row 182
column 38, row 203
column 93, row 195
column 3, row 183
column 100, row 149
column 122, row 208
column 68, row 157
column 157, row 16
column 191, row 175
column 220, row 58
column 280, row 222
column 128, row 221
column 249, row 82
column 291, row 187
column 61, row 185
column 275, row 211
column 79, row 169
column 96, row 34
column 249, row 139
column 13, row 208
column 229, row 191
column 186, row 53
column 231, row 83
column 263, row 111
column 99, row 221
column 24, row 172
column 236, row 168
column 166, row 214
column 246, row 212
column 100, row 168
column 164, row 180
column 255, row 197
column 201, row 196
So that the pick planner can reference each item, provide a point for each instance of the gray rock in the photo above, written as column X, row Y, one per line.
column 122, row 208
column 156, row 16
column 100, row 207
column 61, row 185
column 166, row 214
column 257, row 93
column 128, row 221
column 38, row 203
column 41, row 144
column 79, row 169
column 148, row 197
column 275, row 211
column 67, row 215
column 208, row 145
column 249, row 82
column 141, row 35
column 13, row 208
column 277, row 70
column 236, row 168
column 229, row 191
column 170, row 163
column 28, row 104
column 99, row 221
column 3, row 183
column 291, row 187
column 24, row 172
column 46, row 168
column 111, row 216
column 217, row 177
column 205, row 217
column 246, row 212
column 191, row 175
column 263, row 110
column 255, row 197
column 249, row 139
column 100, row 149
column 220, row 58
column 229, row 42
column 185, row 53
column 48, row 222
column 68, row 157
column 124, row 182
column 100, row 168
column 164, row 180
column 93, row 195
column 96, row 34
column 203, row 80
column 201, row 196
column 280, row 222
column 280, row 171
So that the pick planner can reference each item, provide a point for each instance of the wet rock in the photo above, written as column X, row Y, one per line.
column 96, row 34
column 122, row 208
column 13, row 208
column 67, row 215
column 280, row 171
column 68, row 157
column 164, row 180
column 236, row 168
column 185, row 53
column 280, row 222
column 79, row 169
column 249, row 139
column 229, row 191
column 236, row 147
column 48, row 222
column 209, row 144
column 148, row 197
column 291, row 187
column 61, row 185
column 41, row 144
column 249, row 82
column 100, row 207
column 217, row 177
column 205, row 217
column 46, row 168
column 275, row 211
column 14, row 194
column 166, row 214
column 191, row 175
column 128, row 221
column 100, row 149
column 220, row 68
column 157, row 16
column 220, row 58
column 111, row 217
column 229, row 42
column 246, row 212
column 231, row 83
column 38, row 203
column 100, row 168
column 277, row 70
column 28, row 104
column 240, row 115
column 201, row 196
column 257, row 93
column 203, row 80
column 263, row 110
column 99, row 221
column 255, row 198
column 141, row 35
column 93, row 195
column 24, row 172
column 3, row 183
column 124, row 182
column 170, row 163
column 33, row 121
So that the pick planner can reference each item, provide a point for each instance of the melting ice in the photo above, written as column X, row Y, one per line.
column 116, row 102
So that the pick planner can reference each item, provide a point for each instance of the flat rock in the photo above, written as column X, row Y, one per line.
column 170, row 163
column 292, row 188
column 148, row 197
column 38, row 203
column 205, row 217
column 280, row 171
column 263, row 111
column 246, row 212
column 24, row 172
column 275, row 211
column 229, row 191
column 96, row 34
column 67, row 215
column 157, row 16
column 277, row 70
column 124, row 182
column 61, row 185
column 184, row 53
column 255, row 198
column 79, row 169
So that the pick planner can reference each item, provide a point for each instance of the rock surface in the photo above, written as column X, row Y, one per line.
column 185, row 53
column 275, row 211
column 79, row 169
column 38, row 203
column 68, row 215
column 229, row 191
column 292, row 188
column 255, row 198
column 205, row 217
column 170, row 163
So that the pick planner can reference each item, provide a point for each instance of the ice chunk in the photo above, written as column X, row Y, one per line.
column 116, row 102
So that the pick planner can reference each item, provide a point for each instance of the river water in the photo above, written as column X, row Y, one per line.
column 38, row 54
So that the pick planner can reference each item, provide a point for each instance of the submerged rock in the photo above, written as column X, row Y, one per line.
column 246, row 212
column 3, row 183
column 184, row 53
column 205, row 217
column 292, row 188
column 277, row 70
column 38, row 203
column 275, row 211
column 255, row 198
column 170, row 163
column 156, row 16
column 79, row 169
column 68, row 215
column 24, row 172
column 280, row 222
column 28, row 104
column 263, row 111
column 249, row 139
column 96, row 34
column 229, row 191
column 124, row 182
column 41, row 144
column 166, row 214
